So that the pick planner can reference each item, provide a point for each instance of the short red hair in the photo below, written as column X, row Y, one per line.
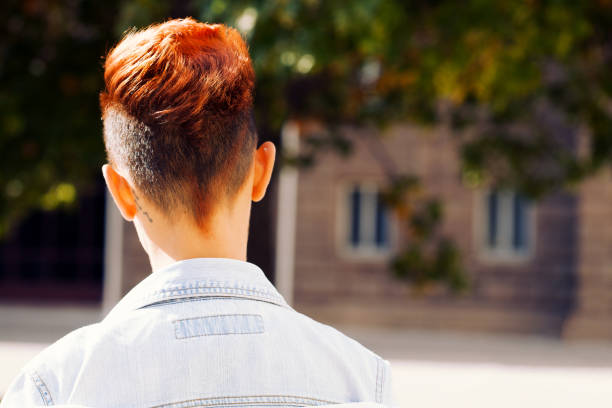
column 177, row 112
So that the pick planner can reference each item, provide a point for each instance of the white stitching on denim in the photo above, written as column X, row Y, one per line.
column 215, row 285
column 42, row 388
column 382, row 382
column 208, row 290
column 153, row 303
column 247, row 400
column 379, row 376
column 249, row 404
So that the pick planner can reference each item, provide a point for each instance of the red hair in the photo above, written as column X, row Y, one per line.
column 177, row 111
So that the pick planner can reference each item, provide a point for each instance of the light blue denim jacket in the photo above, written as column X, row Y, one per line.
column 203, row 332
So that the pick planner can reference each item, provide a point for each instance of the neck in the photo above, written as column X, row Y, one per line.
column 170, row 241
column 163, row 256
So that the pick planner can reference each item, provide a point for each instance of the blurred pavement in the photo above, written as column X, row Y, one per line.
column 27, row 330
column 431, row 369
column 442, row 369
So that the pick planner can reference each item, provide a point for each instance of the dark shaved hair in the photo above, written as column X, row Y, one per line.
column 177, row 112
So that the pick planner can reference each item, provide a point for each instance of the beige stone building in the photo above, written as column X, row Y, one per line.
column 542, row 267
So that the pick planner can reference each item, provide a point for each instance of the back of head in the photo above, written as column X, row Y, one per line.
column 177, row 112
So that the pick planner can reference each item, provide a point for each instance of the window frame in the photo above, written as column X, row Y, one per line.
column 343, row 224
column 506, row 253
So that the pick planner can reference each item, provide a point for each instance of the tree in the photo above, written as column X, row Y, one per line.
column 50, row 75
column 524, row 83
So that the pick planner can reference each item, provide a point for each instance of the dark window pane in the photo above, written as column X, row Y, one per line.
column 68, row 233
column 64, row 271
column 355, row 216
column 382, row 234
column 31, row 271
column 56, row 255
column 519, row 223
column 492, row 202
column 29, row 234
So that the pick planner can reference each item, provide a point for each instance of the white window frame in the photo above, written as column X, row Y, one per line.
column 504, row 252
column 343, row 225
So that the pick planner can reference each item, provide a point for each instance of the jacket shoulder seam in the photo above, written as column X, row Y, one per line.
column 380, row 378
column 42, row 388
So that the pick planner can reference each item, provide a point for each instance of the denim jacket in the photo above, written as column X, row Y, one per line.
column 203, row 332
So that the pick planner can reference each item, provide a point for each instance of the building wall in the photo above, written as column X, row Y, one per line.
column 592, row 317
column 531, row 296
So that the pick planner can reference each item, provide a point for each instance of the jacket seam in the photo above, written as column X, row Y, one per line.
column 282, row 400
column 380, row 374
column 216, row 315
column 42, row 388
column 219, row 289
column 225, row 404
column 205, row 296
column 165, row 295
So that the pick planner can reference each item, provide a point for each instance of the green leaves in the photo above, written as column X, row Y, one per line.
column 50, row 76
column 428, row 258
column 425, row 267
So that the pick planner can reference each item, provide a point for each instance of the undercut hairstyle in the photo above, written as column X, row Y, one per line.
column 177, row 113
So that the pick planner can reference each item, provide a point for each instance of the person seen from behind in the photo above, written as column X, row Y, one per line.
column 206, row 328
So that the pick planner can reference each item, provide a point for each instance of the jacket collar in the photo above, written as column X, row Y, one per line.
column 200, row 278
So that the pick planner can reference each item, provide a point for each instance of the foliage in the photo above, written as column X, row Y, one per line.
column 50, row 75
column 524, row 83
column 428, row 258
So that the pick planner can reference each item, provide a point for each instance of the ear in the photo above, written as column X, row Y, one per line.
column 121, row 192
column 264, row 164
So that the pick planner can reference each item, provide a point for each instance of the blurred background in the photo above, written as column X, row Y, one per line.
column 444, row 193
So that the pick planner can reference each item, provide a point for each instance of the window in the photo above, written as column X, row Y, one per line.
column 508, row 224
column 56, row 255
column 367, row 220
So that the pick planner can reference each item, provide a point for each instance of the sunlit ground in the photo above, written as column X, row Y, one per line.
column 442, row 369
column 431, row 369
column 13, row 356
column 434, row 384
